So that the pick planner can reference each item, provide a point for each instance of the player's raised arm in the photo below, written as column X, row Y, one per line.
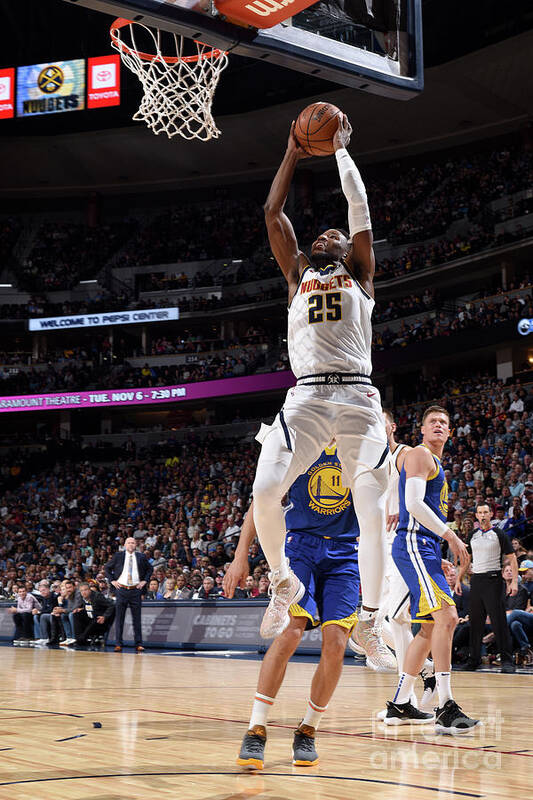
column 280, row 231
column 419, row 465
column 360, row 259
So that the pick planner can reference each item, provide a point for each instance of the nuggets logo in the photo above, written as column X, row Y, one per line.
column 327, row 495
column 51, row 88
column 443, row 500
column 50, row 79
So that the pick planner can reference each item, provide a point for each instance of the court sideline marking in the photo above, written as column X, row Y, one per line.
column 454, row 792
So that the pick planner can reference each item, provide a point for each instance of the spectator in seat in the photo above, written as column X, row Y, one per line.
column 519, row 551
column 196, row 584
column 500, row 518
column 161, row 578
column 62, row 614
column 158, row 560
column 219, row 557
column 527, row 500
column 43, row 619
column 461, row 634
column 251, row 587
column 170, row 589
column 519, row 619
column 516, row 524
column 255, row 556
column 208, row 591
column 526, row 574
column 104, row 587
column 233, row 529
column 183, row 592
column 262, row 587
column 198, row 546
column 153, row 592
column 94, row 617
column 23, row 616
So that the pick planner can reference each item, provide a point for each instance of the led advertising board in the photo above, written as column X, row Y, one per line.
column 51, row 88
column 7, row 93
column 105, row 318
column 97, row 398
column 103, row 81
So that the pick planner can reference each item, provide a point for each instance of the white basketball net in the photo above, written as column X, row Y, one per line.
column 178, row 89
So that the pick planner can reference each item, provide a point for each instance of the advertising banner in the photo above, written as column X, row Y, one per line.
column 94, row 398
column 105, row 318
column 51, row 88
column 7, row 93
column 103, row 81
column 217, row 624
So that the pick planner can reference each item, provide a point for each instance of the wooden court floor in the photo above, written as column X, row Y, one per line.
column 172, row 726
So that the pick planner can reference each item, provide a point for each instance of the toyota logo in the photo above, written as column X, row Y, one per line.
column 103, row 75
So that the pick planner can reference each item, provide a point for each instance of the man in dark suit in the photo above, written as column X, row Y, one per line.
column 94, row 616
column 129, row 573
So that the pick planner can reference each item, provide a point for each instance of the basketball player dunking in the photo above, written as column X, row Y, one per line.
column 329, row 338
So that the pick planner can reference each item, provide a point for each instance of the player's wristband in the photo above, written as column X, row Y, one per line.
column 415, row 490
column 354, row 191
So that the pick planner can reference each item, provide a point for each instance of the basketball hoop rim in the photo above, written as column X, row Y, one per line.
column 120, row 22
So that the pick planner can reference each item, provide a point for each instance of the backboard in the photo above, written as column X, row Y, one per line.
column 371, row 45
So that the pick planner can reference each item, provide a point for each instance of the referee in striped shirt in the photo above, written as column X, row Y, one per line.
column 487, row 548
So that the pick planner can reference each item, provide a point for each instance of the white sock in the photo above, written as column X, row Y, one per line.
column 443, row 687
column 261, row 707
column 405, row 688
column 281, row 573
column 366, row 616
column 313, row 714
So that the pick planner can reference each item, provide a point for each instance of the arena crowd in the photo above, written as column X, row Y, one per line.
column 409, row 203
column 185, row 505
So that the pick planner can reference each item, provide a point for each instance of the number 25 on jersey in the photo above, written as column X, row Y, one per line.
column 332, row 311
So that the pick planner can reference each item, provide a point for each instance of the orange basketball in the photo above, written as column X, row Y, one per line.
column 316, row 127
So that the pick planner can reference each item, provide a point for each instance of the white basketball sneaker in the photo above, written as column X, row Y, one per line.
column 283, row 593
column 367, row 636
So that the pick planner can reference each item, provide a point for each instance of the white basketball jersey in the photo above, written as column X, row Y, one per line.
column 330, row 326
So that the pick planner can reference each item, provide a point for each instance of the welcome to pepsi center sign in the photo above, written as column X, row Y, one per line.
column 106, row 318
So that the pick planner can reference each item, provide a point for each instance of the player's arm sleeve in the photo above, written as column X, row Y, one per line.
column 354, row 191
column 415, row 490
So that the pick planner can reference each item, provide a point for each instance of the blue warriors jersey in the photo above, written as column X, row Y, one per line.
column 436, row 497
column 319, row 504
